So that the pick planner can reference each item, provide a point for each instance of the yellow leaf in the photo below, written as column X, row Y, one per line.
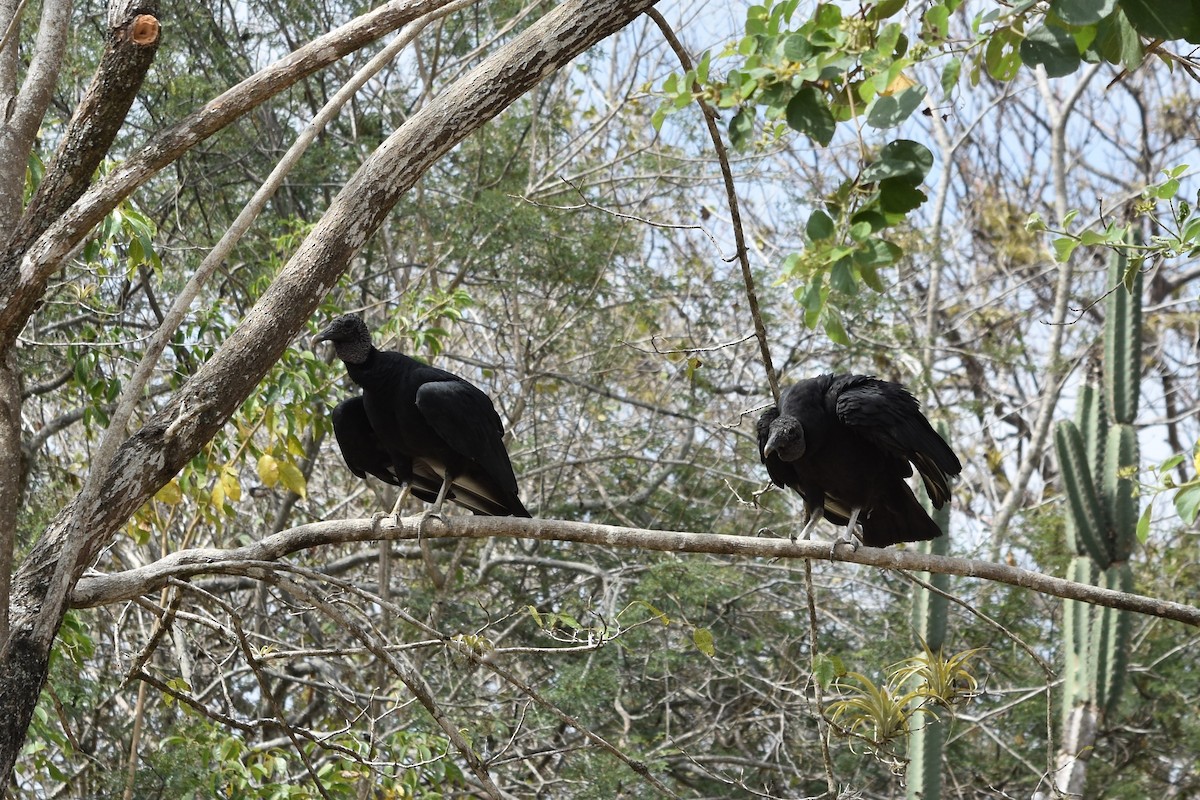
column 294, row 447
column 292, row 478
column 170, row 494
column 218, row 495
column 268, row 470
column 703, row 639
column 231, row 485
column 898, row 84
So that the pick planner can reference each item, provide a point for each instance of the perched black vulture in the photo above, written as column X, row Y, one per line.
column 844, row 443
column 420, row 425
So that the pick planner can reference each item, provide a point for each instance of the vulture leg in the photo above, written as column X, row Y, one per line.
column 404, row 492
column 447, row 482
column 852, row 536
column 436, row 511
column 813, row 514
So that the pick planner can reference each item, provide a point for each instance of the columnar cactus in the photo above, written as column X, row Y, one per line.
column 1098, row 456
column 925, row 743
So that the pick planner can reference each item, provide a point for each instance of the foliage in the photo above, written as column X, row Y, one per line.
column 570, row 258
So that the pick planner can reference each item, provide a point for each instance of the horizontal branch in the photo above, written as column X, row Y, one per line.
column 96, row 590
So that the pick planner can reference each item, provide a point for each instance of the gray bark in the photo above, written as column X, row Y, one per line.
column 100, row 590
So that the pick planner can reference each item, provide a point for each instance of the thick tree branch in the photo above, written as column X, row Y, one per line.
column 23, row 277
column 128, row 54
column 96, row 590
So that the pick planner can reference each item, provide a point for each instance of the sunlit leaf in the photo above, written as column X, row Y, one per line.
column 170, row 493
column 1187, row 502
column 268, row 470
column 292, row 478
column 703, row 639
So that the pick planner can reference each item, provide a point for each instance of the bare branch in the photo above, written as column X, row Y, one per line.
column 95, row 590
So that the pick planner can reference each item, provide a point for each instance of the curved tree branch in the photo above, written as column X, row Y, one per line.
column 95, row 589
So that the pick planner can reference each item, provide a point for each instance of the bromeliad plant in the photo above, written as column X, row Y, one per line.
column 881, row 715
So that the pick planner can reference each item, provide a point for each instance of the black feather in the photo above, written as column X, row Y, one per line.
column 846, row 443
column 420, row 425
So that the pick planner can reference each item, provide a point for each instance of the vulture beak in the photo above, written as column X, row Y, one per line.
column 323, row 336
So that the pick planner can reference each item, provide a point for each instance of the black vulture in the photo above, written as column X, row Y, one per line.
column 421, row 426
column 844, row 443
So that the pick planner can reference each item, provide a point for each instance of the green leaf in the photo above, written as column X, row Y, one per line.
column 890, row 110
column 1191, row 231
column 1000, row 56
column 884, row 9
column 703, row 639
column 938, row 19
column 902, row 157
column 1082, row 12
column 798, row 48
column 841, row 277
column 1171, row 463
column 1132, row 269
column 828, row 16
column 859, row 231
column 876, row 253
column 1187, row 502
column 870, row 276
column 1117, row 42
column 808, row 112
column 657, row 118
column 656, row 612
column 820, row 226
column 814, row 300
column 1052, row 47
column 835, row 330
column 1143, row 526
column 1164, row 19
column 1063, row 247
column 950, row 74
column 899, row 196
column 826, row 668
column 741, row 127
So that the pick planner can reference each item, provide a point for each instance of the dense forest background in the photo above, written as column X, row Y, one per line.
column 577, row 257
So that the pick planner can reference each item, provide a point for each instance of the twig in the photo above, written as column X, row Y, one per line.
column 735, row 216
column 256, row 667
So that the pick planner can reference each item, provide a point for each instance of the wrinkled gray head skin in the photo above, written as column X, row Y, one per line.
column 786, row 439
column 350, row 338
